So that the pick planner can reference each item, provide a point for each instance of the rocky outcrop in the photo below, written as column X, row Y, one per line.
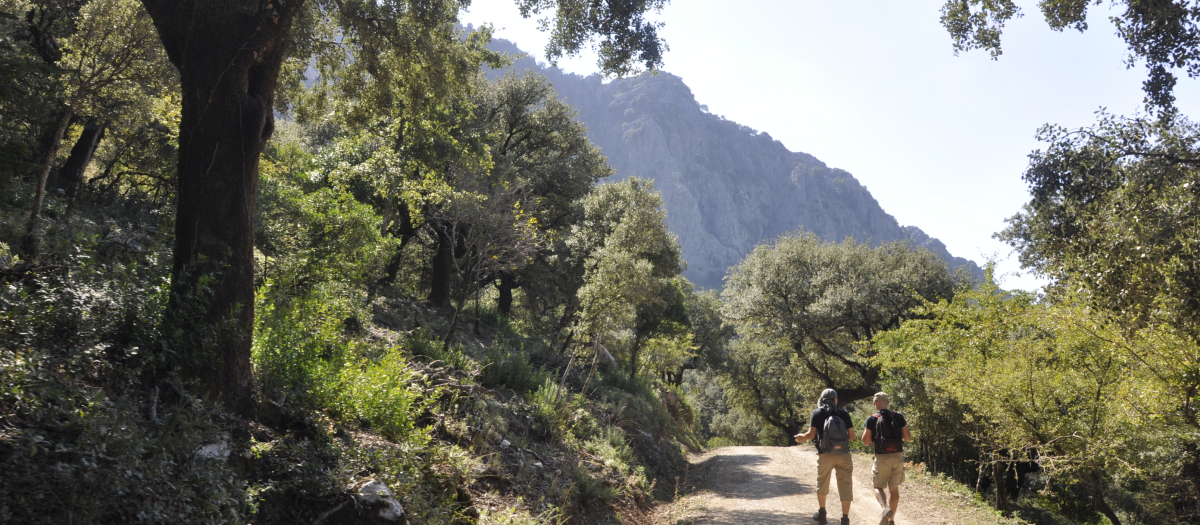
column 727, row 187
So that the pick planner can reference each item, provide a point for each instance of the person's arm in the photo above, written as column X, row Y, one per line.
column 849, row 424
column 866, row 440
column 904, row 433
column 811, row 434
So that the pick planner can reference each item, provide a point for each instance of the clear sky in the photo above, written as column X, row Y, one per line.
column 874, row 88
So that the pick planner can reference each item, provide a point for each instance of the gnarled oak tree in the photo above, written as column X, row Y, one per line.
column 229, row 54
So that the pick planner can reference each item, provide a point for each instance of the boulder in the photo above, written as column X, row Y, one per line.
column 371, row 503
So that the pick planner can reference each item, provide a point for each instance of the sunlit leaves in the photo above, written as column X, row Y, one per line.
column 1116, row 209
column 1056, row 383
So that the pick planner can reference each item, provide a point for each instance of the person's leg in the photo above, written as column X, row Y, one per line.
column 824, row 469
column 885, row 470
column 876, row 477
column 845, row 480
column 894, row 484
column 881, row 498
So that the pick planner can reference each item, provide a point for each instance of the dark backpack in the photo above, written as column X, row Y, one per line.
column 888, row 438
column 834, row 437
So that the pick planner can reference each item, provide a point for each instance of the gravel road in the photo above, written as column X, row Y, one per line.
column 777, row 485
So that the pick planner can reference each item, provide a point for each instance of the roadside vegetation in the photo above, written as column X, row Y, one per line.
column 318, row 260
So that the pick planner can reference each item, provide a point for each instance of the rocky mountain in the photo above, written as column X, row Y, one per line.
column 727, row 187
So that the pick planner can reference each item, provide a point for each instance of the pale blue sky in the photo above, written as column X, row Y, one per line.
column 874, row 88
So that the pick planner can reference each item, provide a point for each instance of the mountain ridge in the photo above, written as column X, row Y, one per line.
column 726, row 187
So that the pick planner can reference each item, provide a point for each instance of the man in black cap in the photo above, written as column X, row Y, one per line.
column 833, row 451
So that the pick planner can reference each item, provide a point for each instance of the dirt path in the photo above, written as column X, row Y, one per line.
column 777, row 485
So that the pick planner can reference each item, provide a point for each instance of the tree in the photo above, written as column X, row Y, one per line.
column 1115, row 209
column 490, row 232
column 541, row 151
column 110, row 58
column 229, row 54
column 809, row 309
column 628, row 259
column 1048, row 382
column 1163, row 34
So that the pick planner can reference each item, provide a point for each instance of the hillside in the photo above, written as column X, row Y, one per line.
column 727, row 187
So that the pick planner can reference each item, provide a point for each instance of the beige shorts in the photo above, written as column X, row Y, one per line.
column 888, row 470
column 844, row 465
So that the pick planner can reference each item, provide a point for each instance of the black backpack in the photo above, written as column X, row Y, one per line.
column 835, row 439
column 888, row 437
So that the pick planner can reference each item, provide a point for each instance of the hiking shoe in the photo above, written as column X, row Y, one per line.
column 820, row 515
column 886, row 517
column 845, row 519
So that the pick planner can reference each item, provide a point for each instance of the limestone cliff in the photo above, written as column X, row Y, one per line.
column 727, row 187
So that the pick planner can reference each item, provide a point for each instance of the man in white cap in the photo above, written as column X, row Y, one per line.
column 887, row 431
column 833, row 431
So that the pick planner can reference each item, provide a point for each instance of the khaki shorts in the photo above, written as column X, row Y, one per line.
column 888, row 470
column 844, row 465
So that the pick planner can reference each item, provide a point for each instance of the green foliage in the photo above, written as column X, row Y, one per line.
column 400, row 147
column 309, row 234
column 1053, row 383
column 511, row 369
column 301, row 351
column 383, row 393
column 1164, row 35
column 631, row 258
column 22, row 96
column 84, row 439
column 513, row 516
column 1114, row 211
column 805, row 311
column 93, row 458
column 627, row 40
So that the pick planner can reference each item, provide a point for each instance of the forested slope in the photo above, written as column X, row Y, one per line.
column 727, row 187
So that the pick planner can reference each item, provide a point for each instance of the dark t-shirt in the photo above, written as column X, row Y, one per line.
column 897, row 419
column 817, row 420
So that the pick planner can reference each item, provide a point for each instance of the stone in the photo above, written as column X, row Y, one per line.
column 372, row 503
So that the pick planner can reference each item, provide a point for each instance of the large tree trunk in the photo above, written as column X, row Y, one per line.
column 228, row 53
column 70, row 176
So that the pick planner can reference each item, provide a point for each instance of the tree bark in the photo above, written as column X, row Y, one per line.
column 70, row 176
column 998, row 469
column 30, row 244
column 228, row 53
column 441, row 270
column 1103, row 507
column 505, row 287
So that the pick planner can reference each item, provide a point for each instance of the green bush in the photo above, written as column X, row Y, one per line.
column 384, row 393
column 302, row 352
column 70, row 453
column 510, row 369
column 511, row 516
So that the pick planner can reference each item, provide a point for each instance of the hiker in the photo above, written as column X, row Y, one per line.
column 887, row 431
column 833, row 431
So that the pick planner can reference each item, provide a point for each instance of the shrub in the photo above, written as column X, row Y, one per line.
column 70, row 453
column 511, row 369
column 301, row 352
column 513, row 516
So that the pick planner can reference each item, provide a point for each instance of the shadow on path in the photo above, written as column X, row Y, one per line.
column 747, row 477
